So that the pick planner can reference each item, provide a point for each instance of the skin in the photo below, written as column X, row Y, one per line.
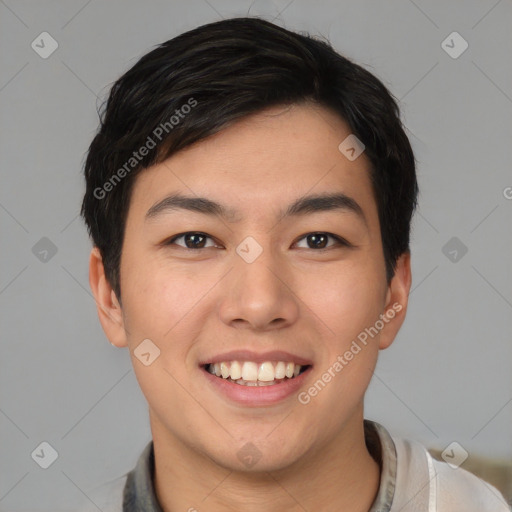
column 293, row 297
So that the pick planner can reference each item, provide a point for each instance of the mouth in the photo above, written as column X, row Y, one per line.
column 256, row 379
column 255, row 374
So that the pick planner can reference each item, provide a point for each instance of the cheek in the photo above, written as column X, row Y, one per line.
column 348, row 304
column 167, row 305
column 346, row 300
column 157, row 295
column 160, row 307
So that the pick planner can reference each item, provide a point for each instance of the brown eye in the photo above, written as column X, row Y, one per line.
column 193, row 240
column 320, row 239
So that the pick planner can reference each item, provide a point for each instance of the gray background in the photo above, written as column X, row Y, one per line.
column 446, row 378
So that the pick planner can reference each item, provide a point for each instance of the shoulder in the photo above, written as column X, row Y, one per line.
column 107, row 497
column 423, row 479
column 460, row 488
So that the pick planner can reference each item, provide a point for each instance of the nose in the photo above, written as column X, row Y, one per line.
column 259, row 295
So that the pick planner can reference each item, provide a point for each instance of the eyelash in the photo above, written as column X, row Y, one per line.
column 341, row 242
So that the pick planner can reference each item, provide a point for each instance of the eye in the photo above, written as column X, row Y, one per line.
column 319, row 240
column 193, row 240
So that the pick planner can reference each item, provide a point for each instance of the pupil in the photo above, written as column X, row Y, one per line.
column 316, row 237
column 193, row 237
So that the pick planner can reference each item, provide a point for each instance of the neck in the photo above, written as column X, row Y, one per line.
column 339, row 475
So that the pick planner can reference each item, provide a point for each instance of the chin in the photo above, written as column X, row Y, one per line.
column 256, row 456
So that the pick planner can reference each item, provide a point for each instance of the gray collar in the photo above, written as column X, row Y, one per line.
column 139, row 491
column 382, row 449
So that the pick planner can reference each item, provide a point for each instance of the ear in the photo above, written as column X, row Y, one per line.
column 109, row 309
column 397, row 297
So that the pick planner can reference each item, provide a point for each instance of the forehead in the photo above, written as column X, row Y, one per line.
column 258, row 164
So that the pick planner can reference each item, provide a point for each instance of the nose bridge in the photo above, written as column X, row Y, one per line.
column 259, row 294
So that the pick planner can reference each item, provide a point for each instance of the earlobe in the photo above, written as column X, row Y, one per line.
column 108, row 307
column 397, row 297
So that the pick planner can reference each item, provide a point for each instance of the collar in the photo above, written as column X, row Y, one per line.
column 383, row 450
column 139, row 491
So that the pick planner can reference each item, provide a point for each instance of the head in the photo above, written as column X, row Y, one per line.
column 249, row 115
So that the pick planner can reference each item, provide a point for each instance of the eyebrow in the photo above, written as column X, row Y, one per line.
column 302, row 206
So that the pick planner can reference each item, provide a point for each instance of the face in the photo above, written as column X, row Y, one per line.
column 251, row 279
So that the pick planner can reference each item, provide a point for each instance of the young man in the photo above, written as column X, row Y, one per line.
column 249, row 196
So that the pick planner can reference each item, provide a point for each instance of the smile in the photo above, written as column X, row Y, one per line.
column 250, row 373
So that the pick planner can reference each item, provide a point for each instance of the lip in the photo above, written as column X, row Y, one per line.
column 249, row 355
column 256, row 396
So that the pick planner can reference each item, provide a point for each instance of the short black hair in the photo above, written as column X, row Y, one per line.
column 203, row 80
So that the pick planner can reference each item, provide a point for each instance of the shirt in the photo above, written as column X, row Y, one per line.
column 410, row 481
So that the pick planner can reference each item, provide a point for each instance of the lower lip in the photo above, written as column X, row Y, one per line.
column 257, row 396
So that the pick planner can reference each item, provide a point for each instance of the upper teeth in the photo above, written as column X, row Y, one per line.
column 250, row 371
